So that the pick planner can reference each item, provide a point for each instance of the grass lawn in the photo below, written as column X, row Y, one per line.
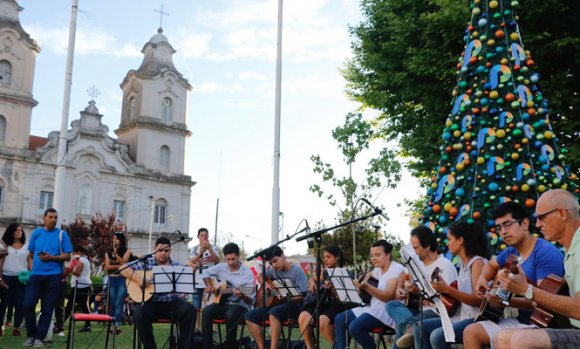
column 96, row 338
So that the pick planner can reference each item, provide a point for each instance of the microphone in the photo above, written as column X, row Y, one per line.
column 307, row 231
column 181, row 237
column 377, row 210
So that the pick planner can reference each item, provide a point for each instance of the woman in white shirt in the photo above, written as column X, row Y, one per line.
column 81, row 285
column 361, row 320
column 14, row 263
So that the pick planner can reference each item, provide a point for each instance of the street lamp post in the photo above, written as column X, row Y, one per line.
column 151, row 221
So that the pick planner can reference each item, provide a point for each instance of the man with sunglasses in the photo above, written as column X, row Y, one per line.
column 558, row 217
column 537, row 257
column 161, row 305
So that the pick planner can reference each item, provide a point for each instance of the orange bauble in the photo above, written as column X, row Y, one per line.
column 530, row 203
column 453, row 211
column 436, row 208
column 476, row 215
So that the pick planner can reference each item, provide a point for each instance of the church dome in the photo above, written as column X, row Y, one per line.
column 158, row 38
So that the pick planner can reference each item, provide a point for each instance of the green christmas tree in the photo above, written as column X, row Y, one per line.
column 498, row 144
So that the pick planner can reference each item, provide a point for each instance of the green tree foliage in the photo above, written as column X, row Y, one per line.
column 404, row 65
column 353, row 138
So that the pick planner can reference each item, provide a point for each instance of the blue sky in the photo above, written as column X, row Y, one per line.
column 226, row 49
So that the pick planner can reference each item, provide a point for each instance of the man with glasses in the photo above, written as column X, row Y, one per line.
column 558, row 217
column 160, row 305
column 537, row 257
column 280, row 268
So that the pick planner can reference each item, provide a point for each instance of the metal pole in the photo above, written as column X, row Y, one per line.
column 60, row 172
column 151, row 221
column 276, row 185
column 217, row 207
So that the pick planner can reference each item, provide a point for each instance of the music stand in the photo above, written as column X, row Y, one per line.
column 344, row 286
column 286, row 288
column 173, row 279
column 419, row 275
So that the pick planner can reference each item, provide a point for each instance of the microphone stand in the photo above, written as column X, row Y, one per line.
column 266, row 254
column 142, row 259
column 317, row 235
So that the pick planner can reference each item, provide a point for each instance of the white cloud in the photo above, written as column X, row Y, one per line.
column 216, row 87
column 195, row 45
column 250, row 75
column 240, row 105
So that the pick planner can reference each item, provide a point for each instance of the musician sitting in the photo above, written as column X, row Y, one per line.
column 469, row 243
column 160, row 305
column 538, row 258
column 281, row 268
column 359, row 321
column 230, row 307
column 424, row 244
column 557, row 216
column 329, row 306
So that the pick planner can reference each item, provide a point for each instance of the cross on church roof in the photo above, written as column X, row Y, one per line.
column 161, row 14
column 93, row 92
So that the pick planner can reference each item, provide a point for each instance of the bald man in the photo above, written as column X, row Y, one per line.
column 558, row 217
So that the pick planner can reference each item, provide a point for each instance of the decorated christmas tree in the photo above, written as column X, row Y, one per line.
column 498, row 144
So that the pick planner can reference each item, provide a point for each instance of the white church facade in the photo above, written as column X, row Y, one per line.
column 139, row 175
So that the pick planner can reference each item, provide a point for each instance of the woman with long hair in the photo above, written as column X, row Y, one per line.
column 468, row 242
column 359, row 321
column 116, row 257
column 14, row 263
column 328, row 307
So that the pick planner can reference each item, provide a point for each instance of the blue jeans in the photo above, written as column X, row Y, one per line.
column 358, row 327
column 404, row 317
column 437, row 337
column 117, row 293
column 45, row 288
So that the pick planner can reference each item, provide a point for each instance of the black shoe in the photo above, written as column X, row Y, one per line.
column 85, row 329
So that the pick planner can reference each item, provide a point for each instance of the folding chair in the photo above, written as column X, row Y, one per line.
column 102, row 318
column 219, row 322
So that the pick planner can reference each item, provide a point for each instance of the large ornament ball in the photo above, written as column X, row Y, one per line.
column 515, row 105
column 514, row 36
column 436, row 208
column 525, row 187
column 493, row 187
column 442, row 219
column 460, row 166
column 500, row 134
column 515, row 156
column 460, row 192
column 476, row 215
column 534, row 78
column 494, row 94
column 476, row 11
column 480, row 160
column 499, row 34
column 541, row 188
column 529, row 203
column 548, row 135
column 493, row 4
column 453, row 211
column 447, row 207
column 482, row 22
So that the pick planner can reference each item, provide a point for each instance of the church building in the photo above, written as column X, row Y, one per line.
column 139, row 175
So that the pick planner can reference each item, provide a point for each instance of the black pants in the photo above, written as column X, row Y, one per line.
column 179, row 311
column 81, row 300
column 232, row 314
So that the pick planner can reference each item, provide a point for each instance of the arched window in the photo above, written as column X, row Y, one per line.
column 164, row 157
column 2, row 128
column 132, row 108
column 160, row 211
column 5, row 72
column 85, row 199
column 166, row 109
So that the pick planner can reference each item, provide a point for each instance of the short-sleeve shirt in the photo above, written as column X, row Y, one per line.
column 84, row 280
column 243, row 277
column 42, row 240
column 204, row 262
column 295, row 274
column 148, row 264
column 376, row 308
column 446, row 269
column 544, row 260
column 572, row 266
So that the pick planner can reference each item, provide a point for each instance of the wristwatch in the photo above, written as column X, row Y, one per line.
column 529, row 292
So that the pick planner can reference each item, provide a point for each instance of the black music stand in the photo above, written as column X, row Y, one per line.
column 173, row 279
column 342, row 282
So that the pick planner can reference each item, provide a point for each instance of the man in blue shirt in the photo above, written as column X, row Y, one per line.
column 161, row 305
column 49, row 248
column 537, row 257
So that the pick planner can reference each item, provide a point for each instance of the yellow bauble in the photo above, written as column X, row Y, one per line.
column 548, row 134
column 525, row 187
column 467, row 136
column 493, row 4
column 525, row 140
column 500, row 133
column 448, row 123
column 514, row 36
column 480, row 161
column 433, row 185
column 493, row 94
column 515, row 156
column 490, row 42
column 541, row 188
column 456, row 133
column 530, row 104
column 460, row 166
column 447, row 207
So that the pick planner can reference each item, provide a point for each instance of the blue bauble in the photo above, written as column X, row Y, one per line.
column 493, row 187
column 460, row 192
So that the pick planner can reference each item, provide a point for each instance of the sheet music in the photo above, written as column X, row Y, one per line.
column 422, row 281
column 286, row 288
column 165, row 277
column 345, row 288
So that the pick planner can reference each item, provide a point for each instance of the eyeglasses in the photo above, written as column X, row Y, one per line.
column 541, row 217
column 506, row 225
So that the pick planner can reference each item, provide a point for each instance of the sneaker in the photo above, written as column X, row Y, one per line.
column 85, row 329
column 16, row 332
column 38, row 343
column 56, row 329
column 61, row 333
column 406, row 340
column 29, row 342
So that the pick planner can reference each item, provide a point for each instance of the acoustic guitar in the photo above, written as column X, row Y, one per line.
column 450, row 303
column 364, row 295
column 137, row 293
column 271, row 295
column 541, row 316
column 221, row 291
column 491, row 307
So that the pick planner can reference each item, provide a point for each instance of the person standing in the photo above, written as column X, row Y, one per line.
column 203, row 256
column 118, row 256
column 80, row 286
column 15, row 262
column 49, row 248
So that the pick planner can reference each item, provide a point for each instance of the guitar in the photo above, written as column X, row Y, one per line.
column 451, row 304
column 137, row 293
column 491, row 307
column 271, row 295
column 541, row 316
column 221, row 291
column 364, row 295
